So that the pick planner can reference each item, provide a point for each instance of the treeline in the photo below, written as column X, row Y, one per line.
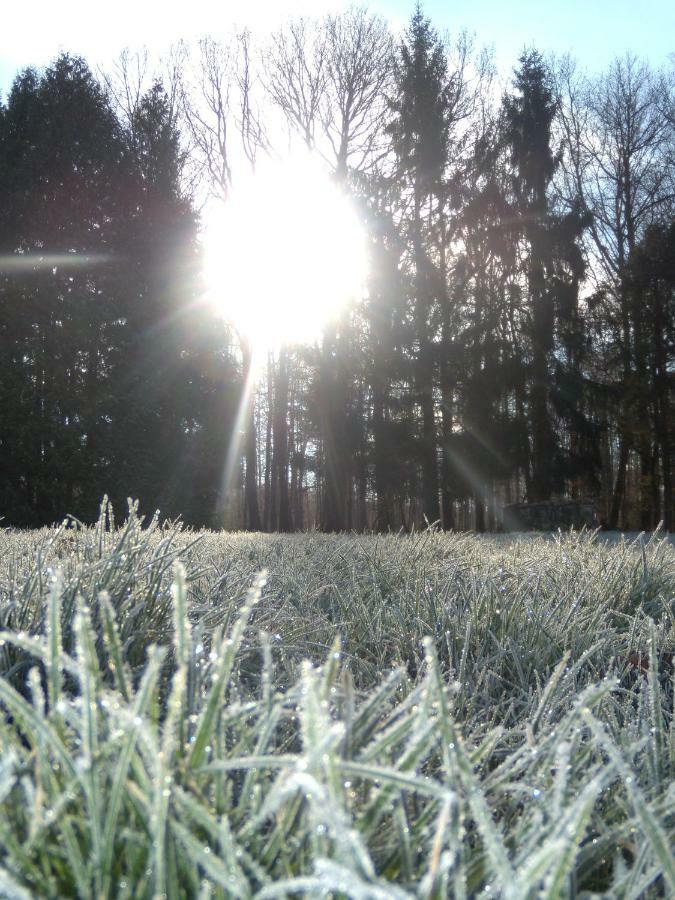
column 112, row 377
column 517, row 340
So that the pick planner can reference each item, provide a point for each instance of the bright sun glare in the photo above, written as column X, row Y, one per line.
column 285, row 253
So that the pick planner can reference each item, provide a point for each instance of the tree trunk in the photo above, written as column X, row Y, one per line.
column 447, row 493
column 479, row 504
column 668, row 486
column 619, row 491
column 331, row 410
column 253, row 522
column 543, row 444
column 384, row 515
column 267, row 495
column 299, row 504
column 541, row 430
column 648, row 461
column 430, row 499
column 662, row 407
column 280, row 432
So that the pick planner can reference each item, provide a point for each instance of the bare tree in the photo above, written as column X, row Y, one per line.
column 618, row 139
column 207, row 108
column 618, row 143
column 330, row 78
column 220, row 109
column 295, row 75
column 359, row 67
column 133, row 74
column 251, row 125
column 126, row 81
column 220, row 105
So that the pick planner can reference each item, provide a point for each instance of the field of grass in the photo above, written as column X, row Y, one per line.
column 366, row 717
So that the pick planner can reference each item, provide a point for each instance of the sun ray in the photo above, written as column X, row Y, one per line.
column 23, row 263
column 234, row 450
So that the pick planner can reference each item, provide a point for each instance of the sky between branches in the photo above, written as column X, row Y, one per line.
column 593, row 30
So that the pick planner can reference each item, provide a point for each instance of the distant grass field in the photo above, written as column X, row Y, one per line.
column 387, row 717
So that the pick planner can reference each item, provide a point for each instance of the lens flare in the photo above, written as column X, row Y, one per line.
column 285, row 254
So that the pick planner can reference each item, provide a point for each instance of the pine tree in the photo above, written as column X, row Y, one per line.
column 419, row 130
column 63, row 179
column 651, row 292
column 114, row 377
column 553, row 266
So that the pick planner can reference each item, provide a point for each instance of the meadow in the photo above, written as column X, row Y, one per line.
column 372, row 717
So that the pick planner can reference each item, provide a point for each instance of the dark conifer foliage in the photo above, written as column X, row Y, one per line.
column 548, row 247
column 110, row 379
column 66, row 184
column 419, row 129
column 651, row 285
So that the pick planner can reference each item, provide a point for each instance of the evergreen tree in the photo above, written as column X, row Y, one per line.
column 114, row 379
column 553, row 261
column 472, row 375
column 651, row 290
column 419, row 131
column 157, row 412
column 64, row 177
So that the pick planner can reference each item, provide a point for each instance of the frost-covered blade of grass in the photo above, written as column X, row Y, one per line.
column 427, row 717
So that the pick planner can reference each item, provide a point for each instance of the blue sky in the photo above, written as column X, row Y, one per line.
column 593, row 30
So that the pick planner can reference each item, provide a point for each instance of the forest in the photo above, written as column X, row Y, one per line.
column 514, row 341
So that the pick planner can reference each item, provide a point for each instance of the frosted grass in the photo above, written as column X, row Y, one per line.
column 433, row 716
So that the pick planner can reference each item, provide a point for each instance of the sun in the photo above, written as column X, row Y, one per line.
column 285, row 254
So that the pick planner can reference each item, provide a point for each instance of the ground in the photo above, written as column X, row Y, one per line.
column 375, row 716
